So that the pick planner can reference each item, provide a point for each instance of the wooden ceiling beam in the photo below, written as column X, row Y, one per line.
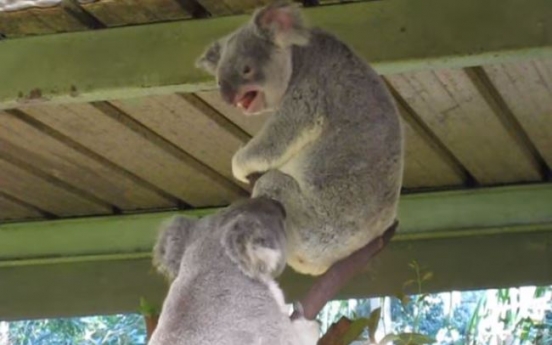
column 396, row 36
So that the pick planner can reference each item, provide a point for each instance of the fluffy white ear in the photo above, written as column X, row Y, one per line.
column 210, row 58
column 282, row 23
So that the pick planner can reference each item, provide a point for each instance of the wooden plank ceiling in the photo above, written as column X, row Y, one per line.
column 464, row 128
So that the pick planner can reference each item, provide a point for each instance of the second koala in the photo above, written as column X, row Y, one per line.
column 221, row 269
column 332, row 151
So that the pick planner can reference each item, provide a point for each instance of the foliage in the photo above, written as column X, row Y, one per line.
column 407, row 338
column 99, row 330
column 508, row 316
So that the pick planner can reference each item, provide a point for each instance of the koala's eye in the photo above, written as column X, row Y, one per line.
column 246, row 71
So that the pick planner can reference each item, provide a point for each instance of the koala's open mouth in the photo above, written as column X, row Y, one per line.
column 247, row 99
column 250, row 99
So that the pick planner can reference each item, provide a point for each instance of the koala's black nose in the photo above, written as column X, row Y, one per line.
column 227, row 91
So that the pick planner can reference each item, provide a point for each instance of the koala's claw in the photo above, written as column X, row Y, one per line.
column 298, row 311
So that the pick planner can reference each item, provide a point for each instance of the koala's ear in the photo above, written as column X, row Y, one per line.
column 174, row 235
column 254, row 237
column 283, row 23
column 210, row 58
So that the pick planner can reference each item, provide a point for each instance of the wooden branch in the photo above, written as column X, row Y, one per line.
column 337, row 276
column 151, row 324
column 336, row 333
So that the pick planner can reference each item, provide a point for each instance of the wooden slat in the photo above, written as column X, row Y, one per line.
column 47, row 154
column 526, row 87
column 135, row 152
column 423, row 167
column 459, row 116
column 36, row 21
column 250, row 124
column 184, row 125
column 225, row 7
column 38, row 192
column 124, row 12
column 10, row 210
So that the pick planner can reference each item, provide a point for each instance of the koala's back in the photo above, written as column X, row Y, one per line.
column 348, row 178
column 212, row 302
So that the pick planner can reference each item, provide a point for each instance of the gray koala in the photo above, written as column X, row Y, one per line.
column 332, row 151
column 221, row 269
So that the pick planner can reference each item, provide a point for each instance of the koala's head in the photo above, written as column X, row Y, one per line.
column 253, row 65
column 250, row 233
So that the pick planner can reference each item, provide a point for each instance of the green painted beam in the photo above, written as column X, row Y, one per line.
column 395, row 35
column 105, row 287
column 422, row 216
column 470, row 239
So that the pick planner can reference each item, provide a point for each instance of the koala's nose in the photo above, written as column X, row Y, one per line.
column 227, row 91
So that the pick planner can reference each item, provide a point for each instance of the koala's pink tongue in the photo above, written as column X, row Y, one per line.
column 247, row 99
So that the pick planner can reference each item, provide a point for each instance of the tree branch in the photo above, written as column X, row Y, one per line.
column 337, row 276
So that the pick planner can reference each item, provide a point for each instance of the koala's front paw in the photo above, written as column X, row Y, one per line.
column 308, row 332
column 238, row 168
column 243, row 166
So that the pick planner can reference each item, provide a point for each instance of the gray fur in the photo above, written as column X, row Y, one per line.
column 210, row 300
column 332, row 152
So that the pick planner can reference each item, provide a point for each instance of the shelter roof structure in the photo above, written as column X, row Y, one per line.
column 106, row 127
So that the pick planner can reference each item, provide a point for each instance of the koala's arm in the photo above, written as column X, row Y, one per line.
column 281, row 138
column 171, row 244
column 254, row 238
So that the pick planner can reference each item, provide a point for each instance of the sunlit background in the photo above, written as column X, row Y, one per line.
column 511, row 316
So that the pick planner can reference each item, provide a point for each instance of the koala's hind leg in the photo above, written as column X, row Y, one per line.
column 282, row 187
column 301, row 222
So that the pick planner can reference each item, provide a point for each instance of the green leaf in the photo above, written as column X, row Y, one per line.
column 413, row 264
column 355, row 330
column 401, row 296
column 145, row 308
column 422, row 297
column 373, row 322
column 540, row 291
column 427, row 276
column 388, row 338
column 408, row 282
column 414, row 339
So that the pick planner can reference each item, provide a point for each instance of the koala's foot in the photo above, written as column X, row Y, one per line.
column 307, row 331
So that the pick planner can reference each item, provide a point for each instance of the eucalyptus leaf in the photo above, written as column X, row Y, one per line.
column 355, row 330
column 401, row 296
column 388, row 338
column 373, row 322
column 408, row 282
column 145, row 308
column 427, row 276
column 414, row 339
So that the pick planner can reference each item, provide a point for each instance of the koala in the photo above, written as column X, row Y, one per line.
column 222, row 268
column 331, row 151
